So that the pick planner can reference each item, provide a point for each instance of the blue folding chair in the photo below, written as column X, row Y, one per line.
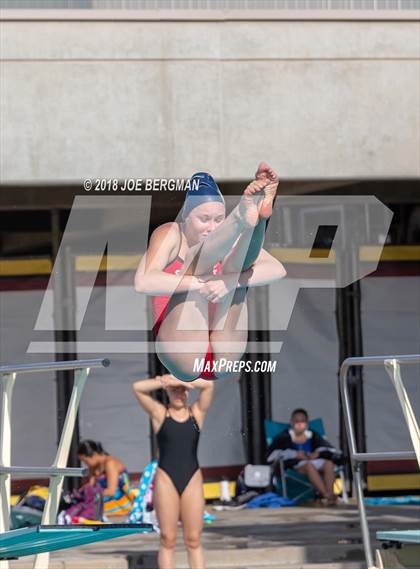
column 292, row 484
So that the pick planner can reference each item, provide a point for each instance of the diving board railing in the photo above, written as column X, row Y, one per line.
column 58, row 470
column 392, row 365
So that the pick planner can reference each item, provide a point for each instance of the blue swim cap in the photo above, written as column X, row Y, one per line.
column 203, row 189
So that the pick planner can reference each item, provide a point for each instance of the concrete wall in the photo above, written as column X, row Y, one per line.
column 162, row 99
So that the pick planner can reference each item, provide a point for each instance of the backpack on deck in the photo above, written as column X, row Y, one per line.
column 29, row 508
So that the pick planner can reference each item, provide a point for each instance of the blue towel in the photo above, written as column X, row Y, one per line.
column 270, row 500
column 208, row 518
column 139, row 506
column 392, row 501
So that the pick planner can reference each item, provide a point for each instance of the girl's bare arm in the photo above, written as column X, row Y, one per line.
column 150, row 278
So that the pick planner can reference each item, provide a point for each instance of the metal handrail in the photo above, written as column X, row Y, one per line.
column 357, row 458
column 376, row 456
column 44, row 470
column 58, row 470
column 301, row 5
column 54, row 366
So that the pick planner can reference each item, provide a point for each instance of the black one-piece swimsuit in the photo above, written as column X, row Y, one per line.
column 178, row 442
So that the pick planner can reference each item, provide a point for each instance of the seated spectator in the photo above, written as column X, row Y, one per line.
column 110, row 474
column 83, row 506
column 307, row 452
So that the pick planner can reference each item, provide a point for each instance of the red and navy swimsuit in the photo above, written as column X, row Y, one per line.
column 160, row 305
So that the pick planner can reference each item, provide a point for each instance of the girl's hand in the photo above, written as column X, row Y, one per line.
column 196, row 283
column 169, row 380
column 215, row 289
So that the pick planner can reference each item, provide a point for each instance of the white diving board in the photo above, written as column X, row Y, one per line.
column 400, row 536
column 399, row 548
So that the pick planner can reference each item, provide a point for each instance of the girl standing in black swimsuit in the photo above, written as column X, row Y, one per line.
column 178, row 492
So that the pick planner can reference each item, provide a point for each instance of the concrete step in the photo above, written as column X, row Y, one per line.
column 77, row 562
column 286, row 557
column 307, row 566
column 211, row 563
column 280, row 557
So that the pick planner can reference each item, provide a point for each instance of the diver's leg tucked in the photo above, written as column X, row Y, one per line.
column 246, row 249
column 229, row 332
column 185, row 324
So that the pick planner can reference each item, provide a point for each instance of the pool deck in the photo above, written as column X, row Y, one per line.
column 294, row 538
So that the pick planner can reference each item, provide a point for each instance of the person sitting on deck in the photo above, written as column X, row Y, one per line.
column 110, row 474
column 304, row 450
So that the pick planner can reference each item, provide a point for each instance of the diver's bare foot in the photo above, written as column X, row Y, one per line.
column 268, row 175
column 249, row 206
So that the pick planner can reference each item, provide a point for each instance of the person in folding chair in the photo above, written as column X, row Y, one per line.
column 305, row 451
column 178, row 484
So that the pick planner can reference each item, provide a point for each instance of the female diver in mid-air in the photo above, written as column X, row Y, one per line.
column 198, row 272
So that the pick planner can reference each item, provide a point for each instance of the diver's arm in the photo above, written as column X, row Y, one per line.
column 205, row 398
column 265, row 270
column 159, row 283
column 150, row 278
column 202, row 405
column 142, row 389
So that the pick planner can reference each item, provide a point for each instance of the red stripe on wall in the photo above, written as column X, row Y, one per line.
column 393, row 467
